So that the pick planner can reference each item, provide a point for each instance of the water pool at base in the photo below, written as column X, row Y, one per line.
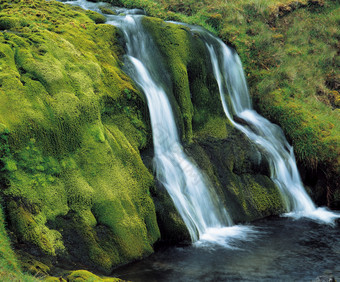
column 283, row 250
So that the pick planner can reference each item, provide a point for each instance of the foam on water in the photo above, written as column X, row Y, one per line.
column 227, row 237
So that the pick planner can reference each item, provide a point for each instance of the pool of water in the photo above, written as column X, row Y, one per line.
column 283, row 249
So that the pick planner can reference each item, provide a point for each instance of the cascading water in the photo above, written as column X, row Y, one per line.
column 196, row 201
column 199, row 206
column 267, row 136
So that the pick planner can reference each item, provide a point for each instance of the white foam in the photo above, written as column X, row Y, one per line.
column 321, row 215
column 227, row 237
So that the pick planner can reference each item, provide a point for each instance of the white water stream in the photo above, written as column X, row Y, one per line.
column 194, row 198
column 267, row 136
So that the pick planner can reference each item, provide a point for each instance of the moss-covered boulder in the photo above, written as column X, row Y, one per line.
column 83, row 275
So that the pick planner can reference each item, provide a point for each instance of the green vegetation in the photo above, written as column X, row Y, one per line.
column 194, row 89
column 71, row 128
column 239, row 174
column 72, row 124
column 83, row 275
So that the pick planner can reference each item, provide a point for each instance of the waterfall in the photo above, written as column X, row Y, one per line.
column 269, row 138
column 195, row 199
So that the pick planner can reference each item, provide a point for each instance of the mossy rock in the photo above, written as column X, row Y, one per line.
column 240, row 175
column 185, row 58
column 33, row 266
column 107, row 10
column 84, row 275
column 171, row 225
column 96, row 17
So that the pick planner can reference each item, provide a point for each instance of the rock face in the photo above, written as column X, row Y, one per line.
column 74, row 188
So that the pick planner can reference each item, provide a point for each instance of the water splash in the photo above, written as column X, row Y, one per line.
column 229, row 237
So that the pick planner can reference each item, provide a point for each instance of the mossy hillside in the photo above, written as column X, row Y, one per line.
column 72, row 125
column 303, row 102
column 291, row 72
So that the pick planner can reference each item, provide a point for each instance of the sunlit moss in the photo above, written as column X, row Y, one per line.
column 63, row 150
column 83, row 275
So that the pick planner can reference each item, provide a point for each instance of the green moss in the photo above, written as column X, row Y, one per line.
column 54, row 279
column 8, row 23
column 193, row 85
column 83, row 275
column 30, row 265
column 8, row 260
column 172, row 41
column 96, row 17
column 172, row 227
column 67, row 147
column 29, row 229
column 107, row 10
column 239, row 174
